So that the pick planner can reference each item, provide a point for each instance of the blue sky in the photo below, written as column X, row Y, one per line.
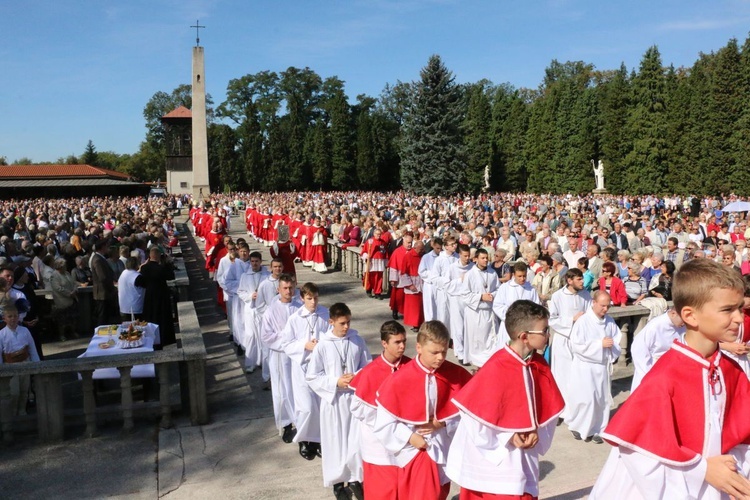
column 81, row 69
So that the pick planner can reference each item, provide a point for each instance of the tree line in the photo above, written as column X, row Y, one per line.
column 657, row 129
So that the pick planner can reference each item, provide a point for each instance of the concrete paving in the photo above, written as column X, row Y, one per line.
column 239, row 454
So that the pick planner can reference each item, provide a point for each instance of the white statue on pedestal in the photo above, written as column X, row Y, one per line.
column 486, row 177
column 598, row 175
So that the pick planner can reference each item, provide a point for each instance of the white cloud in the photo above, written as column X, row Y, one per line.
column 701, row 24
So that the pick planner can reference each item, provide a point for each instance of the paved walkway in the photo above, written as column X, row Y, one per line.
column 239, row 454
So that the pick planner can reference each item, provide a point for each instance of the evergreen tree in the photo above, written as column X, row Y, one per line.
column 90, row 156
column 223, row 171
column 367, row 171
column 646, row 161
column 432, row 153
column 476, row 129
column 741, row 136
column 724, row 109
column 614, row 101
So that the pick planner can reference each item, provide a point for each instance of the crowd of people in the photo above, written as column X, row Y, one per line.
column 493, row 277
column 459, row 271
column 114, row 249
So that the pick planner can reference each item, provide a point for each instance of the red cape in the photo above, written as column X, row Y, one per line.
column 498, row 395
column 664, row 417
column 368, row 380
column 404, row 394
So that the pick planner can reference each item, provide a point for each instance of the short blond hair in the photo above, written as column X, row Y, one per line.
column 433, row 331
column 695, row 282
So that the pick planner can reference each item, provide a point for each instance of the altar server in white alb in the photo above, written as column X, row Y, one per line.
column 231, row 283
column 655, row 339
column 379, row 466
column 440, row 277
column 279, row 364
column 340, row 353
column 480, row 322
column 221, row 275
column 455, row 291
column 517, row 288
column 247, row 291
column 595, row 341
column 17, row 346
column 300, row 337
column 268, row 290
column 426, row 272
column 565, row 307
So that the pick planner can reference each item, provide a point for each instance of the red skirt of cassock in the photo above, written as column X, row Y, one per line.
column 478, row 495
column 380, row 481
column 397, row 299
column 413, row 313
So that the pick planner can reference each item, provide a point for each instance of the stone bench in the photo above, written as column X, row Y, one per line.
column 189, row 354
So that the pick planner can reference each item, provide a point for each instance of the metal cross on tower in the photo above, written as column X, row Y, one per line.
column 197, row 33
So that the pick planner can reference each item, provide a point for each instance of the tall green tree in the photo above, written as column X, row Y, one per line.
column 223, row 170
column 90, row 156
column 433, row 158
column 477, row 128
column 646, row 161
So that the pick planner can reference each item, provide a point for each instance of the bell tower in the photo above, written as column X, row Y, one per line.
column 201, row 187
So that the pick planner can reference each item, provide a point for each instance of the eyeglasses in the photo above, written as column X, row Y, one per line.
column 544, row 332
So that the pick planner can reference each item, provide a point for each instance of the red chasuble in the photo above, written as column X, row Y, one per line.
column 369, row 379
column 404, row 394
column 665, row 418
column 501, row 395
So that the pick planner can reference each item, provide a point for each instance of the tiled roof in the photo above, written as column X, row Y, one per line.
column 56, row 171
column 179, row 112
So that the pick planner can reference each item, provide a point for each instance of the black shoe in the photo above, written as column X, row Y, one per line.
column 465, row 363
column 341, row 492
column 414, row 329
column 289, row 433
column 316, row 449
column 576, row 436
column 597, row 439
column 380, row 297
column 559, row 422
column 369, row 293
column 394, row 315
column 357, row 490
column 306, row 450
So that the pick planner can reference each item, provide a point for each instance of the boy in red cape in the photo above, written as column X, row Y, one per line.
column 685, row 432
column 416, row 418
column 508, row 414
column 380, row 468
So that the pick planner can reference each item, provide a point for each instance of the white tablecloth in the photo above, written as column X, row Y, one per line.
column 150, row 335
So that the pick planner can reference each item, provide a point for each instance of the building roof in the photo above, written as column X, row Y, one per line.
column 179, row 112
column 43, row 183
column 28, row 172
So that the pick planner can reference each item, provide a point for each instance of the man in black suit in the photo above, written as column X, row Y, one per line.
column 106, row 307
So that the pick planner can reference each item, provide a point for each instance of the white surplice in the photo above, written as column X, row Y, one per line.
column 506, row 294
column 454, row 290
column 589, row 388
column 429, row 292
column 339, row 430
column 279, row 364
column 301, row 327
column 268, row 290
column 563, row 306
column 235, row 305
column 655, row 339
column 440, row 281
column 479, row 320
column 249, row 284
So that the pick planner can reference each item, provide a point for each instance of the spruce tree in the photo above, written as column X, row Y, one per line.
column 476, row 129
column 432, row 153
column 646, row 161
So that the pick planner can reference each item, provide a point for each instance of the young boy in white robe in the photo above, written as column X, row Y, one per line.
column 17, row 346
column 517, row 288
column 247, row 291
column 279, row 364
column 495, row 452
column 268, row 290
column 595, row 341
column 426, row 268
column 480, row 322
column 455, row 291
column 565, row 307
column 340, row 353
column 684, row 433
column 440, row 277
column 236, row 307
column 653, row 341
column 299, row 339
